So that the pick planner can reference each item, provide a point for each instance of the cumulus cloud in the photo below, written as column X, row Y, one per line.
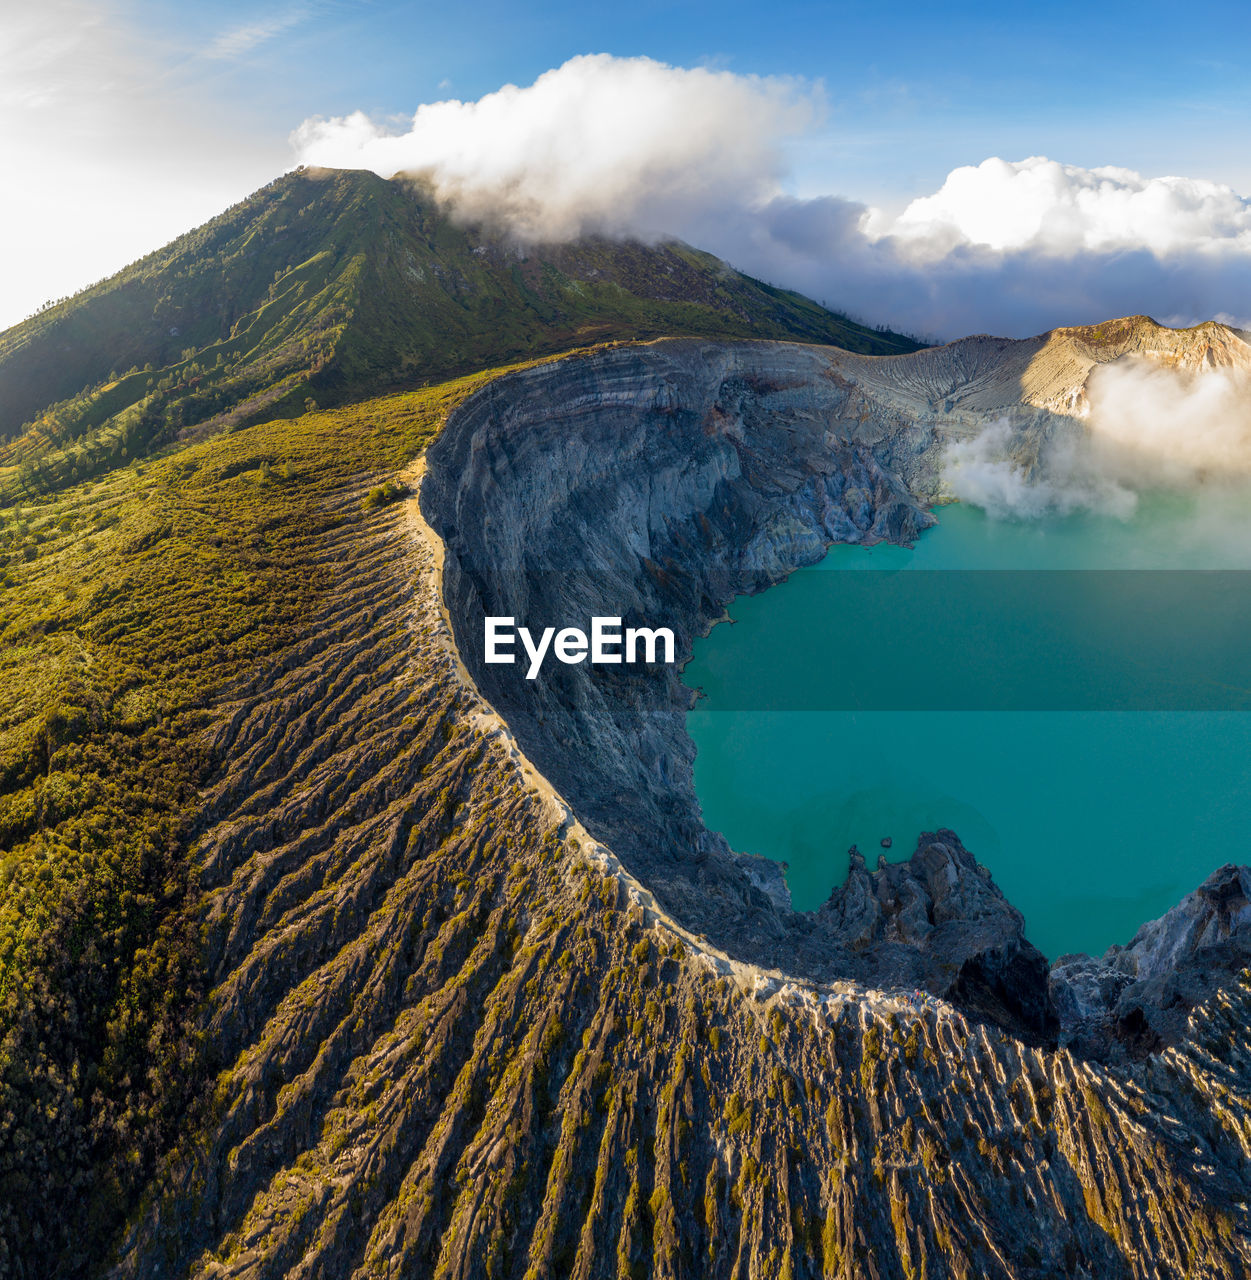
column 999, row 267
column 600, row 144
column 636, row 147
column 1062, row 210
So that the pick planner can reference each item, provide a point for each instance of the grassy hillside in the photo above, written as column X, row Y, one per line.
column 439, row 1042
column 130, row 607
column 174, row 508
column 327, row 287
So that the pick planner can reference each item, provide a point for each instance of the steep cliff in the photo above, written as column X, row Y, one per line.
column 656, row 484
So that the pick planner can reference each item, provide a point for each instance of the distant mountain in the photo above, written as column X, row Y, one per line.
column 326, row 284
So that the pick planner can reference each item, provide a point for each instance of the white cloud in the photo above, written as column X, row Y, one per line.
column 1062, row 210
column 632, row 146
column 114, row 155
column 240, row 40
column 622, row 145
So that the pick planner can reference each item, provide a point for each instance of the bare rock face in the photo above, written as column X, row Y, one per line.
column 655, row 484
column 940, row 920
column 457, row 1041
column 1141, row 995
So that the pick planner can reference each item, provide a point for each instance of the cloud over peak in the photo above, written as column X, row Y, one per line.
column 599, row 144
column 631, row 146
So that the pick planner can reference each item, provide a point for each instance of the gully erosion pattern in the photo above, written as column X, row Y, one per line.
column 464, row 1040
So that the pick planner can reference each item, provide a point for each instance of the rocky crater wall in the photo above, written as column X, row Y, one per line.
column 656, row 483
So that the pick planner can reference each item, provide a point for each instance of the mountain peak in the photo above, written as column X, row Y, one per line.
column 330, row 284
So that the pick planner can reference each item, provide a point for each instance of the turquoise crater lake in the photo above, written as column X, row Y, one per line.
column 1092, row 821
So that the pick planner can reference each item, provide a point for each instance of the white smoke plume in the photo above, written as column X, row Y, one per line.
column 631, row 146
column 1170, row 426
column 1150, row 427
column 985, row 472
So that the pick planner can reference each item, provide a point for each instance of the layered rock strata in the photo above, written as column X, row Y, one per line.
column 458, row 1038
column 656, row 483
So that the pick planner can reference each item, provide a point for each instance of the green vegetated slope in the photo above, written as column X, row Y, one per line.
column 168, row 495
column 299, row 976
column 331, row 284
column 129, row 607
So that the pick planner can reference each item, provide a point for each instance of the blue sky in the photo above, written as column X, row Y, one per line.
column 914, row 89
column 125, row 122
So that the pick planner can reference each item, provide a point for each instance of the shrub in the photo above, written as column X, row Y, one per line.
column 384, row 494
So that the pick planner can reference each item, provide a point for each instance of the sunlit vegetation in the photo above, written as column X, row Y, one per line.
column 129, row 605
column 438, row 1041
column 382, row 494
column 318, row 289
column 163, row 491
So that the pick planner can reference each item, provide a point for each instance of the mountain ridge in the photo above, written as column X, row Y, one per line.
column 329, row 285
